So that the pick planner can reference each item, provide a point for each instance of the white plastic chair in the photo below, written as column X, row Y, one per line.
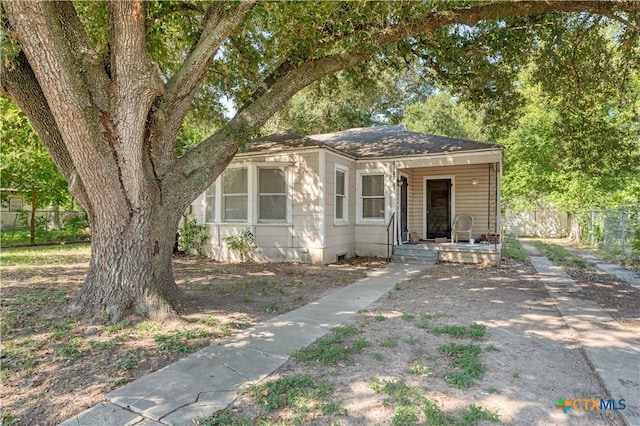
column 462, row 224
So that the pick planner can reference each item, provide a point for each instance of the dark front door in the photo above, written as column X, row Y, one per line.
column 438, row 208
column 404, row 209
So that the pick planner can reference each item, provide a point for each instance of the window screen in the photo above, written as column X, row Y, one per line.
column 210, row 204
column 272, row 194
column 235, row 194
column 340, row 194
column 373, row 196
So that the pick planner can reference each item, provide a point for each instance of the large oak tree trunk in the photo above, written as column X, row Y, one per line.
column 130, row 268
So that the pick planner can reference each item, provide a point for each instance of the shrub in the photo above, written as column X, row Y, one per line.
column 192, row 236
column 242, row 244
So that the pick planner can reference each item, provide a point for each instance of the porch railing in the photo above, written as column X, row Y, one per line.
column 392, row 221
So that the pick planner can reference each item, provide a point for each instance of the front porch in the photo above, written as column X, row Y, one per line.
column 430, row 252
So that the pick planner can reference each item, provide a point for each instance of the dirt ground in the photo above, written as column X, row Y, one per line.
column 54, row 367
column 531, row 356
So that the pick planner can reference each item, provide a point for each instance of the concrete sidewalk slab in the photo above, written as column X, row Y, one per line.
column 208, row 380
column 625, row 274
column 612, row 351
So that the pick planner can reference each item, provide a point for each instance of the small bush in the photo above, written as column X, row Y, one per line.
column 242, row 244
column 192, row 236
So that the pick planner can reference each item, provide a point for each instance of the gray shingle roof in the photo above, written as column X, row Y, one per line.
column 370, row 142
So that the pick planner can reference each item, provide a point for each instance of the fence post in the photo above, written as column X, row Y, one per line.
column 592, row 220
column 624, row 215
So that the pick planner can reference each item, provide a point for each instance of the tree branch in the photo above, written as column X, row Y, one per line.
column 97, row 79
column 623, row 21
column 18, row 82
column 133, row 74
column 64, row 84
column 171, row 109
column 199, row 167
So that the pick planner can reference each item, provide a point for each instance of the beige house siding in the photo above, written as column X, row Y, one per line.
column 466, row 197
column 339, row 234
column 312, row 233
column 371, row 236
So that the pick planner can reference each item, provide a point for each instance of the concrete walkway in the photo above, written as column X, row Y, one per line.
column 614, row 269
column 612, row 351
column 208, row 380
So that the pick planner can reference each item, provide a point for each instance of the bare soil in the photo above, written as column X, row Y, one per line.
column 54, row 367
column 530, row 354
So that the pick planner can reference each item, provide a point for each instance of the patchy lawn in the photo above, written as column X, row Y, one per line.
column 456, row 345
column 54, row 366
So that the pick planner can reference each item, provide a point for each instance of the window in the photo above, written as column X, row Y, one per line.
column 373, row 196
column 15, row 204
column 341, row 195
column 272, row 194
column 234, row 194
column 210, row 204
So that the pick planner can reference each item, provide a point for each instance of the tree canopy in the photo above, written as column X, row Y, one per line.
column 115, row 91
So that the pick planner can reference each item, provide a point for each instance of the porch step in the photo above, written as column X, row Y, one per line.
column 416, row 260
column 418, row 254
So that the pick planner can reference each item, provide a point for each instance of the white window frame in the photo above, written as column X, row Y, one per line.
column 246, row 194
column 359, row 197
column 345, row 197
column 216, row 202
column 286, row 194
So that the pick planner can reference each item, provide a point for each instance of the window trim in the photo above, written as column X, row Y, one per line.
column 287, row 189
column 216, row 202
column 345, row 197
column 224, row 195
column 359, row 197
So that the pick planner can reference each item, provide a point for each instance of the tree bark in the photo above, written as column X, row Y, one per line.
column 130, row 268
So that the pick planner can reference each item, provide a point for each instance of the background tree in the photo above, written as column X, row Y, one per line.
column 107, row 86
column 373, row 93
column 442, row 114
column 26, row 165
column 577, row 145
column 572, row 136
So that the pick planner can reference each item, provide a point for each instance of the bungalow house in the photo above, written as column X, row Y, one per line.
column 365, row 191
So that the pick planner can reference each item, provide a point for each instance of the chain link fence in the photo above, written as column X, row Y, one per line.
column 44, row 218
column 614, row 230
